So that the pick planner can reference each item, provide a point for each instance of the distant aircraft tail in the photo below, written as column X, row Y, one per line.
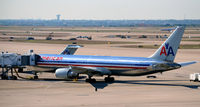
column 167, row 51
column 70, row 49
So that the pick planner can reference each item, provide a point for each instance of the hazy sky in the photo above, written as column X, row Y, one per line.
column 100, row 9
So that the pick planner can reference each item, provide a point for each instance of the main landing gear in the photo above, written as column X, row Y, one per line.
column 90, row 80
column 109, row 79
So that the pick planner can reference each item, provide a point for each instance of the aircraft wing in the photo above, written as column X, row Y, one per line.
column 70, row 49
column 91, row 70
column 187, row 63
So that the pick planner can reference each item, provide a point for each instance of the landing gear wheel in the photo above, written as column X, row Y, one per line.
column 14, row 77
column 90, row 80
column 20, row 69
column 87, row 80
column 109, row 79
column 35, row 77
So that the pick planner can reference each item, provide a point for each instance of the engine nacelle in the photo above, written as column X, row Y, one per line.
column 65, row 73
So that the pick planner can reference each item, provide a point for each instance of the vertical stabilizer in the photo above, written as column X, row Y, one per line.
column 70, row 49
column 167, row 51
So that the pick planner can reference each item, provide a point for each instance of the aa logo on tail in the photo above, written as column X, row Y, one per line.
column 167, row 50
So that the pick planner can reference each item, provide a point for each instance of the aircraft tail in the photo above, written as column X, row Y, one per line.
column 167, row 51
column 70, row 49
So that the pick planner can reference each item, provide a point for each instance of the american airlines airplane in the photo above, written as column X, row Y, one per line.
column 69, row 66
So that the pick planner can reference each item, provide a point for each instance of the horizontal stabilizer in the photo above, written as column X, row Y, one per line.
column 187, row 63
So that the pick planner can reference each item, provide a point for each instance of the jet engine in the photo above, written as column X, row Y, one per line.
column 65, row 73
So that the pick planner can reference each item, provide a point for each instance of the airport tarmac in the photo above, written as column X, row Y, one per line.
column 171, row 88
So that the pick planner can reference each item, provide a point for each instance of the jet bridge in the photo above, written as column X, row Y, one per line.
column 10, row 61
